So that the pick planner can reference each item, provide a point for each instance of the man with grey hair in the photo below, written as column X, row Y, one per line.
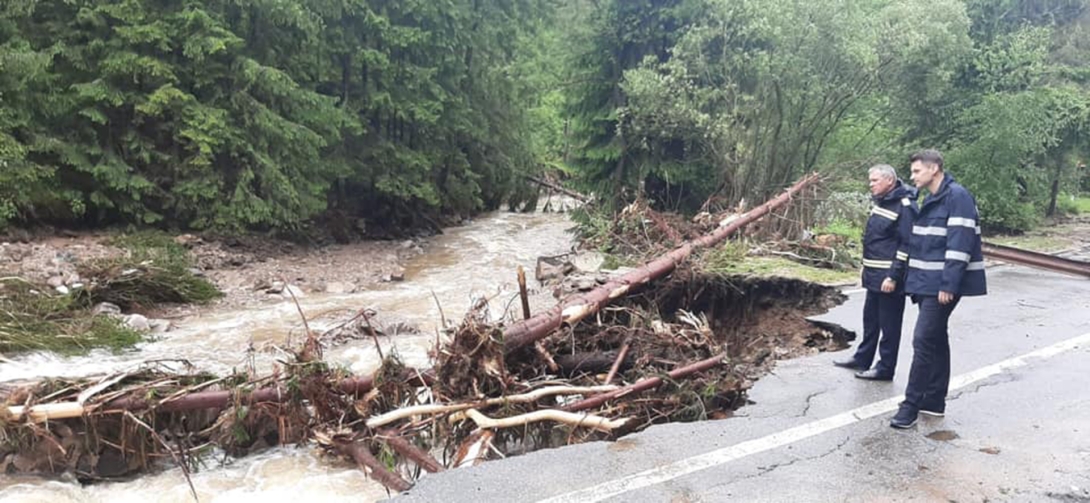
column 885, row 253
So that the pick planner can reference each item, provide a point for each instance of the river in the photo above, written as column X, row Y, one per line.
column 464, row 263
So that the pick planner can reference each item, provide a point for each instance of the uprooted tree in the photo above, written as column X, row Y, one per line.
column 676, row 344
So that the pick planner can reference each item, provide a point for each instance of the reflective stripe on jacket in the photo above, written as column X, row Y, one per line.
column 944, row 252
column 886, row 238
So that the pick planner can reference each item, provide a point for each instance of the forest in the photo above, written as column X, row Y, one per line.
column 376, row 118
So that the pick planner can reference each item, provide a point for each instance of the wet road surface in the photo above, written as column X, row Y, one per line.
column 1017, row 426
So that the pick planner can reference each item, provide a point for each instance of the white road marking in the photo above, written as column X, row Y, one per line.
column 658, row 475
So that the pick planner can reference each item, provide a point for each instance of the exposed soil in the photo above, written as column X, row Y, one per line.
column 241, row 267
column 691, row 316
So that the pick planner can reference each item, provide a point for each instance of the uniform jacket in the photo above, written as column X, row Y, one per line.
column 944, row 252
column 886, row 238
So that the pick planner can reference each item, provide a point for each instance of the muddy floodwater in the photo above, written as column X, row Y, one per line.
column 476, row 260
column 755, row 321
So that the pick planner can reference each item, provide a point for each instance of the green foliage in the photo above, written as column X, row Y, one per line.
column 1017, row 144
column 622, row 34
column 251, row 114
column 735, row 101
column 852, row 231
column 1081, row 205
column 370, row 114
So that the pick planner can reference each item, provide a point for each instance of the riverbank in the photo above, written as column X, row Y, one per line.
column 245, row 269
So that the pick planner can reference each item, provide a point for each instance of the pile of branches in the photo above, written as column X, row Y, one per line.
column 639, row 232
column 610, row 375
column 479, row 402
column 687, row 348
column 129, row 422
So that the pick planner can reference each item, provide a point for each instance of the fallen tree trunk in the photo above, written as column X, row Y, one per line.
column 568, row 192
column 517, row 336
column 353, row 386
column 577, row 307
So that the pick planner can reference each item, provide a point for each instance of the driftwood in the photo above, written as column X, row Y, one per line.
column 474, row 450
column 516, row 337
column 368, row 404
column 646, row 384
column 433, row 409
column 591, row 363
column 617, row 363
column 523, row 294
column 412, row 452
column 354, row 386
column 569, row 418
column 371, row 465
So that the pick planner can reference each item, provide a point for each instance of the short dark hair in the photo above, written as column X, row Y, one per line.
column 928, row 156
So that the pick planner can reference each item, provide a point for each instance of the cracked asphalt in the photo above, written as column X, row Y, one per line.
column 1020, row 435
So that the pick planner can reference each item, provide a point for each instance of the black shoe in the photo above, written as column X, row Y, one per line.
column 873, row 375
column 905, row 418
column 849, row 364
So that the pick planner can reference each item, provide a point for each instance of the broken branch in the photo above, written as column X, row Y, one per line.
column 533, row 396
column 570, row 418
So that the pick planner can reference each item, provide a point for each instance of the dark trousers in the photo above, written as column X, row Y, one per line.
column 883, row 314
column 929, row 379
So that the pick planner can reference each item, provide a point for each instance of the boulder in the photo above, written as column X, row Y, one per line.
column 275, row 288
column 107, row 308
column 339, row 287
column 552, row 269
column 136, row 322
column 158, row 326
column 293, row 291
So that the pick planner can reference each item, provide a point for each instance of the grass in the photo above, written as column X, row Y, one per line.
column 1082, row 205
column 1057, row 234
column 154, row 270
column 34, row 318
column 842, row 228
column 1034, row 241
column 731, row 258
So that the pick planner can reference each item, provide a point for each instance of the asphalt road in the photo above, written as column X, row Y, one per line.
column 1017, row 426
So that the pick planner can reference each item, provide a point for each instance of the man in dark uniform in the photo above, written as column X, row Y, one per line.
column 945, row 263
column 885, row 252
